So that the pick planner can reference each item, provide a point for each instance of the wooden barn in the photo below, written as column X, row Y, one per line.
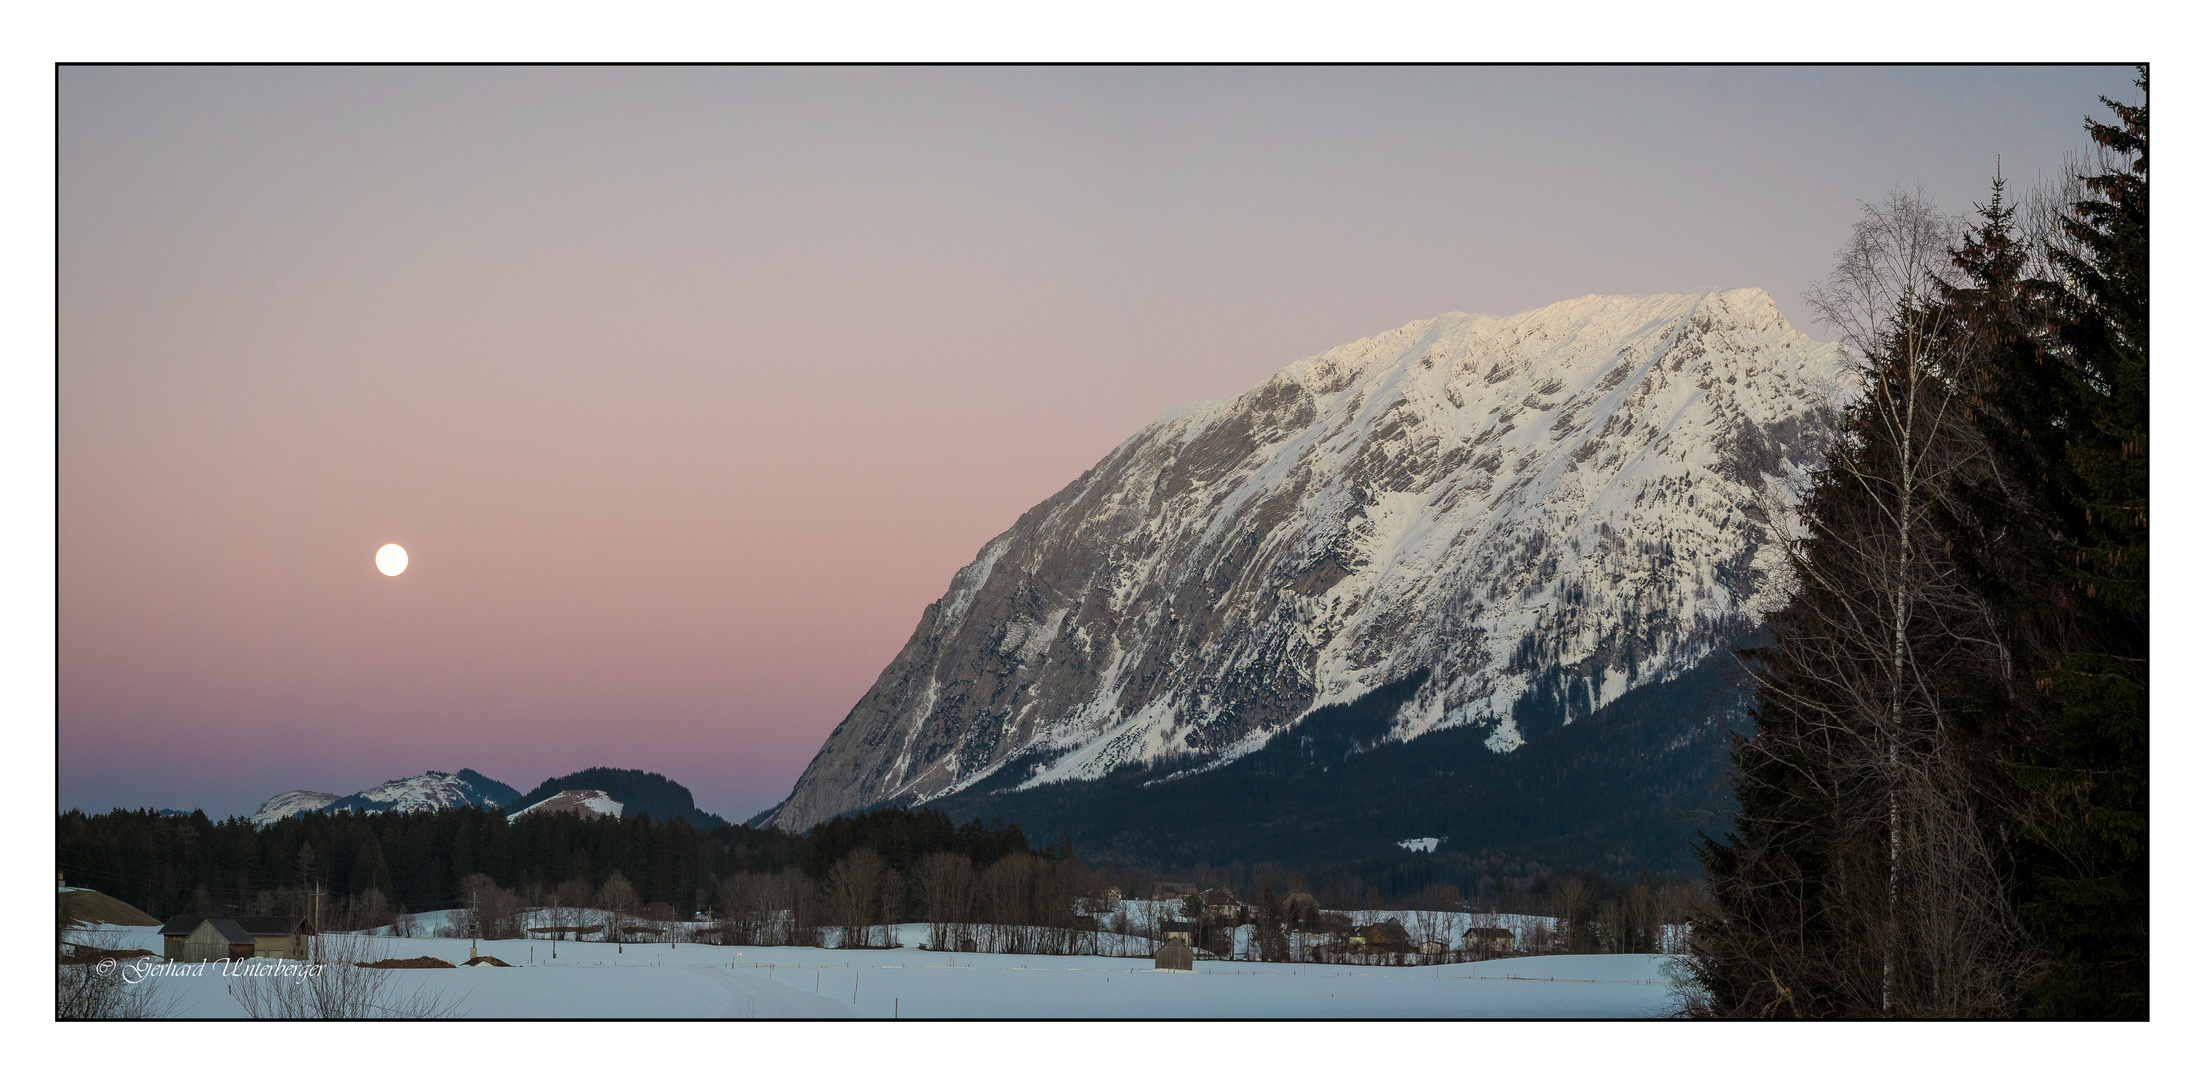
column 192, row 938
column 1174, row 956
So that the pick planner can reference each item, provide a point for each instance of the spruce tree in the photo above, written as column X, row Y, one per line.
column 2087, row 899
column 2008, row 874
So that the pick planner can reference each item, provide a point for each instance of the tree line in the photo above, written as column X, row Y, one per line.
column 1942, row 808
column 367, row 868
column 848, row 883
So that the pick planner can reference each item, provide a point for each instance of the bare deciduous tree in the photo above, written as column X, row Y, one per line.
column 618, row 898
column 1907, row 912
column 90, row 985
column 340, row 987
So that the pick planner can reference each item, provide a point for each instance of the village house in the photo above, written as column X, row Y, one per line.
column 1170, row 890
column 1490, row 941
column 1386, row 937
column 1102, row 903
column 192, row 938
column 1220, row 904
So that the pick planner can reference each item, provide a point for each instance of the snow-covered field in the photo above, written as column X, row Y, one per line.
column 593, row 979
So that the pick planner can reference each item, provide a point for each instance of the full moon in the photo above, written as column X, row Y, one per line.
column 391, row 559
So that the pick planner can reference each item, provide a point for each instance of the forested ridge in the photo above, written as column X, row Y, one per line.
column 1942, row 808
column 640, row 793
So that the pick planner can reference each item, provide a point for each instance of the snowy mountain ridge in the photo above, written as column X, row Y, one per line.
column 430, row 791
column 1539, row 512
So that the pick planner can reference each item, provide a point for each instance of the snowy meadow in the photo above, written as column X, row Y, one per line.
column 685, row 980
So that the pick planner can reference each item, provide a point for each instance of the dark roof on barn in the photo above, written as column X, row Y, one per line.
column 242, row 929
column 231, row 931
column 1490, row 932
column 1170, row 925
column 269, row 925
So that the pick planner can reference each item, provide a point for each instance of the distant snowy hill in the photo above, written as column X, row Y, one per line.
column 292, row 804
column 630, row 791
column 429, row 791
column 642, row 794
column 585, row 804
column 1515, row 522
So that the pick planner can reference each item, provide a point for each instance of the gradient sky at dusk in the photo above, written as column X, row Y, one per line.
column 688, row 389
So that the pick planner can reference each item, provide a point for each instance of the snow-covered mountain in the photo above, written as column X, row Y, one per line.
column 1540, row 512
column 292, row 804
column 585, row 804
column 429, row 791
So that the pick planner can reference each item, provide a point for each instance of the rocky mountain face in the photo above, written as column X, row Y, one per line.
column 1523, row 518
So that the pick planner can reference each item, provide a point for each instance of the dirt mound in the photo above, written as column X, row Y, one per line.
column 491, row 960
column 417, row 962
column 92, row 906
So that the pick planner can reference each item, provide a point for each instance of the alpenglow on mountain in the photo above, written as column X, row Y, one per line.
column 1535, row 514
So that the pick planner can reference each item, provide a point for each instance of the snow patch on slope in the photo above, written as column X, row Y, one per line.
column 583, row 803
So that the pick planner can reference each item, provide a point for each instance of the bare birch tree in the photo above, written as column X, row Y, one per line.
column 1900, row 910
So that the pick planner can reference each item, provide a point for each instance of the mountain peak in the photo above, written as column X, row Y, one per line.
column 1543, row 511
column 432, row 790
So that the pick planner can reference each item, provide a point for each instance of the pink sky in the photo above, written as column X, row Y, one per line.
column 688, row 389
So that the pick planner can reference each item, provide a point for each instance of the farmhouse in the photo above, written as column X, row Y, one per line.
column 1490, row 940
column 192, row 938
column 1386, row 937
column 1170, row 890
column 1220, row 904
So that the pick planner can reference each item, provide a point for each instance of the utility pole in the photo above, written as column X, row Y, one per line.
column 474, row 925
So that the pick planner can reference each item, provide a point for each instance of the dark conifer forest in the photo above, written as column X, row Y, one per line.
column 1942, row 808
column 171, row 865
